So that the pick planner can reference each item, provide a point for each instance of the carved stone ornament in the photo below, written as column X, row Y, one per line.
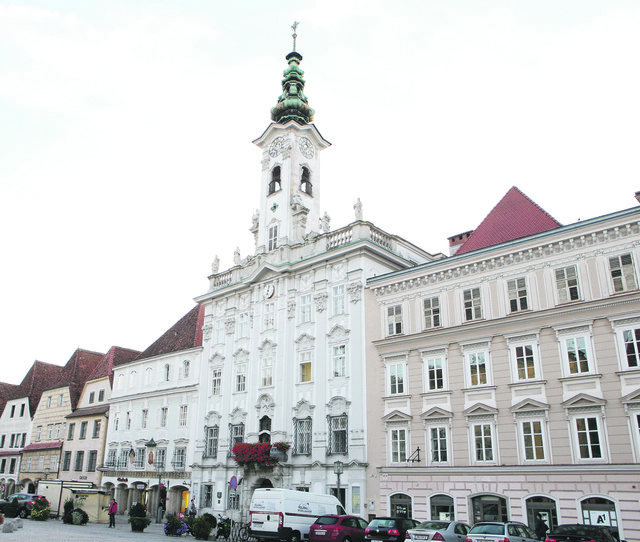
column 206, row 332
column 291, row 309
column 355, row 291
column 321, row 301
column 265, row 405
column 229, row 326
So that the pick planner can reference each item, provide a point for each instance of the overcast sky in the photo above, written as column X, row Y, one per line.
column 126, row 160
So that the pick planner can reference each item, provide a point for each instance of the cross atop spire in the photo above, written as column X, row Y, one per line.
column 294, row 26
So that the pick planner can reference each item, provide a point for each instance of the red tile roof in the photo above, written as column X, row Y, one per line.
column 514, row 216
column 52, row 445
column 7, row 392
column 38, row 378
column 185, row 334
column 114, row 357
column 76, row 372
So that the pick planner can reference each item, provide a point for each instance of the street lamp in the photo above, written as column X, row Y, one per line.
column 338, row 469
column 151, row 445
column 47, row 471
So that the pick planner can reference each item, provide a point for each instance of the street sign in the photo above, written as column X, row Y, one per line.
column 233, row 483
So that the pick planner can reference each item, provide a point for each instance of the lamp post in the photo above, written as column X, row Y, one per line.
column 338, row 469
column 151, row 445
column 47, row 471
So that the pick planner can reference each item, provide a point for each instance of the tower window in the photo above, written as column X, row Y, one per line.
column 275, row 183
column 305, row 182
column 273, row 238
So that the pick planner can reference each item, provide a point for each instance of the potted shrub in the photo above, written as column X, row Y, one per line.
column 201, row 528
column 138, row 518
column 41, row 510
column 175, row 526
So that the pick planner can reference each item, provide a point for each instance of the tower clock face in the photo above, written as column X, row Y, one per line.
column 276, row 146
column 306, row 147
column 269, row 290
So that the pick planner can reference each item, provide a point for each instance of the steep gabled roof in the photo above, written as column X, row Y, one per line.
column 514, row 216
column 39, row 378
column 76, row 373
column 7, row 391
column 114, row 357
column 185, row 334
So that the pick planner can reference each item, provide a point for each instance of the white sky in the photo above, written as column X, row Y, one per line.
column 126, row 160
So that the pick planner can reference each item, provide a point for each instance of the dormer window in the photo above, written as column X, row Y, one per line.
column 275, row 184
column 305, row 182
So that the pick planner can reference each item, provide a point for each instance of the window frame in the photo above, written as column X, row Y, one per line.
column 433, row 452
column 394, row 320
column 305, row 366
column 396, row 385
column 269, row 315
column 472, row 355
column 531, row 360
column 579, row 443
column 432, row 316
column 475, row 450
column 306, row 312
column 398, row 447
column 240, row 377
column 216, row 381
column 624, row 277
column 472, row 304
column 567, row 287
column 338, row 299
column 524, row 445
column 212, row 436
column 338, row 360
column 574, row 339
column 302, row 436
column 515, row 296
column 430, row 375
column 338, row 434
column 266, row 372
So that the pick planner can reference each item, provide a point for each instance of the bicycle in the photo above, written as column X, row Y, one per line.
column 244, row 533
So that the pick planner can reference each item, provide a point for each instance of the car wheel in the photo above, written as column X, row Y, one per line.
column 346, row 539
column 24, row 513
column 295, row 537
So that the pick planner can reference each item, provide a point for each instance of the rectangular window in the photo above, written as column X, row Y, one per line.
column 483, row 442
column 577, row 355
column 396, row 378
column 38, row 433
column 338, row 443
column 272, row 243
column 116, row 421
column 438, row 443
column 216, row 381
column 72, row 427
column 472, row 304
column 83, row 430
column 161, row 457
column 164, row 414
column 302, row 436
column 631, row 338
column 79, row 461
column 22, row 409
column 338, row 299
column 218, row 332
column 123, row 458
column 243, row 325
column 2, row 439
column 128, row 420
column 267, row 372
column 305, row 308
column 207, row 497
column 567, row 284
column 241, row 377
column 304, row 365
column 60, row 399
column 517, row 289
column 57, row 431
column 66, row 461
column 269, row 315
column 623, row 274
column 398, row 445
column 525, row 361
column 211, row 445
column 3, row 465
column 144, row 419
column 477, row 368
column 13, row 411
column 179, row 460
column 24, row 440
column 53, row 463
column 182, row 416
column 435, row 374
column 138, row 461
column 533, row 441
column 93, row 460
column 12, row 465
column 237, row 435
column 431, row 312
column 394, row 320
column 92, row 397
column 49, row 401
column 12, row 440
column 111, row 458
column 101, row 396
column 96, row 428
column 339, row 360
column 588, row 436
column 49, row 431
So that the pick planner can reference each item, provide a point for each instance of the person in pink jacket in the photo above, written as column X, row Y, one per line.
column 113, row 510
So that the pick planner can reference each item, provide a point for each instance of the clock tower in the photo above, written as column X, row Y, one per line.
column 290, row 184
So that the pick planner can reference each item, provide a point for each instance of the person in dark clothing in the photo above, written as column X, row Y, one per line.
column 541, row 527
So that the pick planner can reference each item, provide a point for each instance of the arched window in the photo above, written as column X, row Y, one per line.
column 305, row 182
column 265, row 429
column 275, row 183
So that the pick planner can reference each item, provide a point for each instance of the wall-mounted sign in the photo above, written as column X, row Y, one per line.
column 123, row 479
column 233, row 483
column 140, row 486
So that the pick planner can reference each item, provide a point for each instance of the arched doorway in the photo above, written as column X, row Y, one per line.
column 489, row 508
column 600, row 511
column 442, row 508
column 544, row 506
column 400, row 505
column 122, row 498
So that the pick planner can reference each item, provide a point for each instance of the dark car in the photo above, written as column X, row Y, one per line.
column 443, row 531
column 580, row 533
column 25, row 503
column 496, row 531
column 333, row 528
column 389, row 529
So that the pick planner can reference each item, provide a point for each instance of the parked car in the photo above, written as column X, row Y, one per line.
column 389, row 529
column 496, row 531
column 446, row 531
column 580, row 533
column 25, row 503
column 334, row 528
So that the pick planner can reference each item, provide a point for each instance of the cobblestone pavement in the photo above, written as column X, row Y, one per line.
column 54, row 530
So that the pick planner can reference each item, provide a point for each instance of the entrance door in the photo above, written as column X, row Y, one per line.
column 400, row 505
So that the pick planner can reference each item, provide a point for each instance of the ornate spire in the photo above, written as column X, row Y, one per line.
column 292, row 103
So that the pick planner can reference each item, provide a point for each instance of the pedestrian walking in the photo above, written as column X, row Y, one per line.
column 113, row 510
column 541, row 527
column 192, row 508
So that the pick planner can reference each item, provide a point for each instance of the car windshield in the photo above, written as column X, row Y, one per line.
column 384, row 523
column 432, row 525
column 326, row 520
column 487, row 528
column 584, row 530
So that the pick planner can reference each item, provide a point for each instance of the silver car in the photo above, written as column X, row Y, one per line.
column 495, row 531
column 443, row 531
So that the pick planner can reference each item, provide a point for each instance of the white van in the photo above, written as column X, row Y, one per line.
column 286, row 514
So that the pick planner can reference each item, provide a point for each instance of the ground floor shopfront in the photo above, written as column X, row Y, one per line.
column 608, row 496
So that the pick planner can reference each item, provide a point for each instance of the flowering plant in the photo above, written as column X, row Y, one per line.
column 282, row 446
column 247, row 453
column 174, row 526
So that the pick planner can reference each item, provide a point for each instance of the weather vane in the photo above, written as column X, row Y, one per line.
column 294, row 26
